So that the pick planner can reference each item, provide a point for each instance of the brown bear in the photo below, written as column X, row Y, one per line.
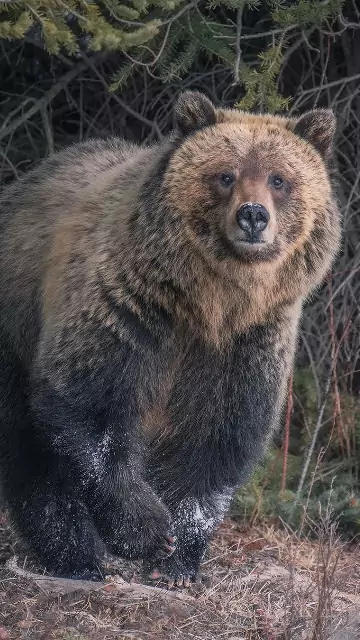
column 150, row 298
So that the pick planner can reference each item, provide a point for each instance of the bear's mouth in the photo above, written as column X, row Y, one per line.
column 253, row 240
column 249, row 241
column 255, row 249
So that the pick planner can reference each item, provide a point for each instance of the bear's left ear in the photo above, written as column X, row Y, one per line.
column 318, row 127
column 193, row 111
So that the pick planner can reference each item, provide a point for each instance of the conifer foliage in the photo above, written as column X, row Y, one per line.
column 167, row 36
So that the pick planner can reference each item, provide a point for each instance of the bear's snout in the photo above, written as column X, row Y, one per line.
column 252, row 218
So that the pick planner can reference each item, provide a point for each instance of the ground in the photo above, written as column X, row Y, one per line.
column 259, row 583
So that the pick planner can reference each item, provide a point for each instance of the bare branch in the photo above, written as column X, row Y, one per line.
column 49, row 96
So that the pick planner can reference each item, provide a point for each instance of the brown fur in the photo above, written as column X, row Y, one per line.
column 125, row 279
column 214, row 289
column 218, row 296
column 221, row 308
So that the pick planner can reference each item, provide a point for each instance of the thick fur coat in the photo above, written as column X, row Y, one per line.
column 146, row 340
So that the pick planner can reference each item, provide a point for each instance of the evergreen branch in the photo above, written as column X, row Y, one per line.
column 188, row 7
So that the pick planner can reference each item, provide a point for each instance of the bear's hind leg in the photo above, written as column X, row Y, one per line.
column 44, row 506
column 56, row 527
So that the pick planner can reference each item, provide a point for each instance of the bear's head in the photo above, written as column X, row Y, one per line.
column 255, row 189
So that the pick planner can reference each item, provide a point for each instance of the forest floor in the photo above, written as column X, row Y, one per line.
column 259, row 583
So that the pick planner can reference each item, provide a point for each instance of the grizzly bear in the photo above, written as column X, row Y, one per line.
column 150, row 299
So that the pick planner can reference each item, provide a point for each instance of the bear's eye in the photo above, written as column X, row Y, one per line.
column 227, row 179
column 277, row 182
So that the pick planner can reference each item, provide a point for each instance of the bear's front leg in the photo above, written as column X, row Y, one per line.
column 223, row 407
column 106, row 472
column 131, row 519
column 193, row 523
column 88, row 406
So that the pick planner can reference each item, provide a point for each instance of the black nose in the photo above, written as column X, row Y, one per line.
column 252, row 218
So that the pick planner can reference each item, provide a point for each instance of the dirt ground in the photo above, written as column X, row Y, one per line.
column 258, row 583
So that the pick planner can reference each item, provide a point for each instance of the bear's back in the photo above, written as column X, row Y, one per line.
column 31, row 211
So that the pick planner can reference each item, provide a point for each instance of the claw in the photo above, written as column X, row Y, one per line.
column 170, row 550
column 155, row 575
column 183, row 581
column 180, row 581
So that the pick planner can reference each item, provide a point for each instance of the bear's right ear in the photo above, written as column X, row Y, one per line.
column 193, row 111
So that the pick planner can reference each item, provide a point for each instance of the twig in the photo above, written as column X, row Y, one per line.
column 287, row 433
column 48, row 97
column 152, row 125
column 65, row 585
column 48, row 131
column 313, row 442
column 238, row 44
column 328, row 85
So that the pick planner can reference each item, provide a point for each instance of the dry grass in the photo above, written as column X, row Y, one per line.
column 263, row 584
